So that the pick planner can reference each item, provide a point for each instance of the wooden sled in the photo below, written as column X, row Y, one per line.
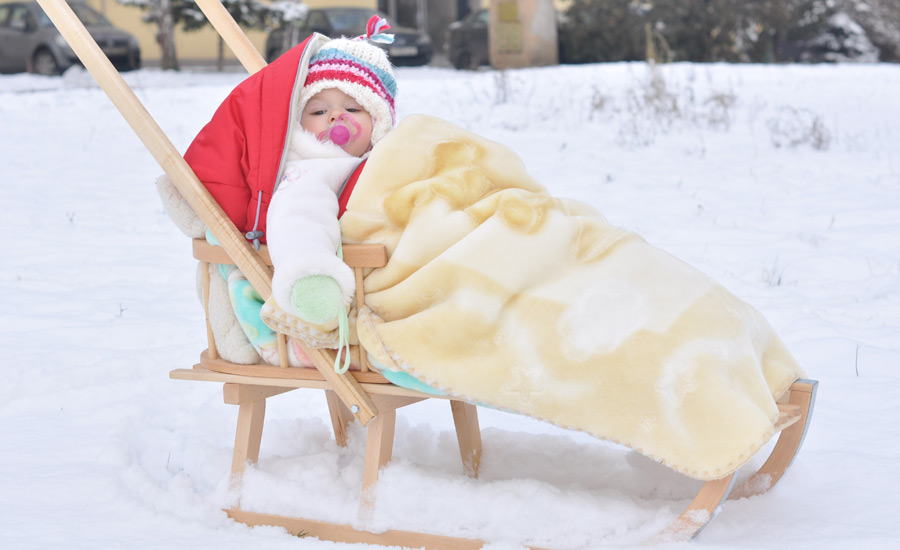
column 361, row 395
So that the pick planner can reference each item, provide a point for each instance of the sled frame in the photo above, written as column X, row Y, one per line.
column 372, row 404
column 248, row 386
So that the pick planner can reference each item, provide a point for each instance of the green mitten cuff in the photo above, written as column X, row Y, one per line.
column 316, row 299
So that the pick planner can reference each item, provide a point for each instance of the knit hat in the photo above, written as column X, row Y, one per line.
column 359, row 69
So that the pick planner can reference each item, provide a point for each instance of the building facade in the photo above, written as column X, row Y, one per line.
column 200, row 47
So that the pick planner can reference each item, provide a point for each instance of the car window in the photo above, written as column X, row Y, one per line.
column 43, row 19
column 4, row 13
column 18, row 18
column 89, row 17
column 349, row 22
column 484, row 17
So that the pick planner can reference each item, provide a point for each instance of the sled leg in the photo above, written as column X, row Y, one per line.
column 701, row 511
column 247, row 437
column 803, row 395
column 379, row 447
column 465, row 418
column 340, row 417
column 252, row 402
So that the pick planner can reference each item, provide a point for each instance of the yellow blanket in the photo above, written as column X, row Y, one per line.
column 497, row 292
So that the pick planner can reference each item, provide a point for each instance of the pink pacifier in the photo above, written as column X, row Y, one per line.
column 339, row 133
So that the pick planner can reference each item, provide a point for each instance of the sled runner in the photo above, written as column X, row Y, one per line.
column 364, row 395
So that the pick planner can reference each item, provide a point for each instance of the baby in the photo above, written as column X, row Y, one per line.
column 346, row 106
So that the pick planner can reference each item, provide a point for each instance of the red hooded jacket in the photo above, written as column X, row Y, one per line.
column 237, row 155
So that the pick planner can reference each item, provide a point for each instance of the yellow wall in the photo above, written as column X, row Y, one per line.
column 523, row 33
column 189, row 46
column 200, row 45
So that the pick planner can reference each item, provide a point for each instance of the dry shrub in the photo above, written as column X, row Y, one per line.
column 792, row 128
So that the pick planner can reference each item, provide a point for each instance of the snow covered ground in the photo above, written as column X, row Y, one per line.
column 781, row 182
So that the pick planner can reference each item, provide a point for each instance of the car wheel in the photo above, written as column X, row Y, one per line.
column 44, row 63
column 463, row 61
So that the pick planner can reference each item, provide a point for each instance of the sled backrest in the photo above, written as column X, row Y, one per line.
column 173, row 164
column 358, row 256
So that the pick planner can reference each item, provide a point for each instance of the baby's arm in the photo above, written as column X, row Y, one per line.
column 303, row 236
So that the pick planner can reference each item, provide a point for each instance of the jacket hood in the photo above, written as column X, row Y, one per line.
column 239, row 154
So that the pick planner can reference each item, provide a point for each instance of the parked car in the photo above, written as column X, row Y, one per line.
column 467, row 43
column 410, row 47
column 30, row 42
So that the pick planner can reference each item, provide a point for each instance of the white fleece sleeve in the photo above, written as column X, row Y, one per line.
column 303, row 232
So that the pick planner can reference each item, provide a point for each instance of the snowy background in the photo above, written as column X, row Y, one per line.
column 781, row 182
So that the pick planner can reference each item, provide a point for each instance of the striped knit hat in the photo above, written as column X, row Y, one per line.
column 360, row 70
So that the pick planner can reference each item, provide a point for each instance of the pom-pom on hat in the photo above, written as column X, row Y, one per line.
column 360, row 70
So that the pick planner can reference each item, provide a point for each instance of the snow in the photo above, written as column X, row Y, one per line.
column 781, row 182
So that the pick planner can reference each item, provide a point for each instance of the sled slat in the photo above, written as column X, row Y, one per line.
column 787, row 415
column 200, row 374
column 281, row 342
column 355, row 255
column 272, row 371
column 238, row 394
column 210, row 336
column 360, row 303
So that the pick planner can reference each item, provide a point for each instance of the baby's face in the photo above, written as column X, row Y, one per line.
column 324, row 108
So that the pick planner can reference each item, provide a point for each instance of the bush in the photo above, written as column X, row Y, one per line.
column 595, row 31
column 724, row 30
